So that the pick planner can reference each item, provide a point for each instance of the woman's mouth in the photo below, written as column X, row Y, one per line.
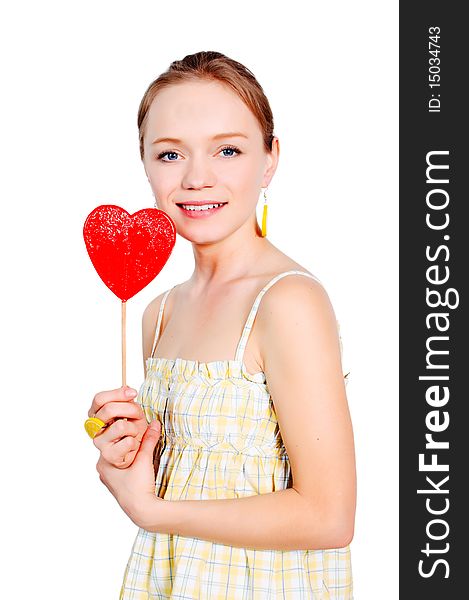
column 201, row 211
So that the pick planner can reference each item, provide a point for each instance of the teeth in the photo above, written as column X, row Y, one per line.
column 202, row 207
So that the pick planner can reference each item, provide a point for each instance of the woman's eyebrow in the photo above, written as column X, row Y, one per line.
column 215, row 137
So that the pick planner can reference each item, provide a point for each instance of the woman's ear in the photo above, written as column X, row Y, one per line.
column 272, row 162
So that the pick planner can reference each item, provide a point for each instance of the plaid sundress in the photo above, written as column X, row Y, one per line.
column 221, row 439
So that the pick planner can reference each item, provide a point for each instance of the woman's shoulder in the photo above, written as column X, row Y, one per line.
column 150, row 314
column 297, row 287
column 295, row 297
column 279, row 263
column 295, row 316
column 287, row 277
column 152, row 309
column 150, row 319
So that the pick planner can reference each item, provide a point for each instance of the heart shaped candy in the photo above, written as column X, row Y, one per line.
column 128, row 251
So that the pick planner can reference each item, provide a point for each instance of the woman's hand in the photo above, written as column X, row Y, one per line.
column 134, row 487
column 126, row 425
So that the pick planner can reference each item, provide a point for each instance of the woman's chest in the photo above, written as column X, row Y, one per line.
column 206, row 407
column 208, row 334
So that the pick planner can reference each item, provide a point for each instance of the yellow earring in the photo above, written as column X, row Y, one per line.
column 264, row 216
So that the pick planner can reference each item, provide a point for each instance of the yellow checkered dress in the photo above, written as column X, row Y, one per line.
column 221, row 439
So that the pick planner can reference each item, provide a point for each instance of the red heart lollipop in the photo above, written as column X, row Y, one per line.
column 128, row 251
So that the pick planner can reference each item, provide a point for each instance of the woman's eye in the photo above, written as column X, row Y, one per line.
column 168, row 152
column 232, row 149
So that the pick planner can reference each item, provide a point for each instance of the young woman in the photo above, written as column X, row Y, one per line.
column 251, row 491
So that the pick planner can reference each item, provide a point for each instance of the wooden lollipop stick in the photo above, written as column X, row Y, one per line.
column 123, row 345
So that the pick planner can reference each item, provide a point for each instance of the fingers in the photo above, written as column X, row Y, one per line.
column 125, row 457
column 120, row 441
column 120, row 452
column 122, row 394
column 116, row 431
column 149, row 441
column 120, row 410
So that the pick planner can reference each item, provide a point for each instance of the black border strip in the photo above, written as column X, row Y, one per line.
column 434, row 238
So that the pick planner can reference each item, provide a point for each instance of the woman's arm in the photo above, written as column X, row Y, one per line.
column 301, row 352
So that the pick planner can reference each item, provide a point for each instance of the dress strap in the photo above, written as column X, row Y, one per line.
column 160, row 318
column 252, row 314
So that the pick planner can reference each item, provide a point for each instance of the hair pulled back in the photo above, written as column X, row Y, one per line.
column 212, row 66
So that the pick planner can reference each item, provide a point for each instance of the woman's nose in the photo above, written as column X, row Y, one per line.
column 199, row 173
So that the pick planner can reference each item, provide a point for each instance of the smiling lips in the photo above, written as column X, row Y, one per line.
column 197, row 211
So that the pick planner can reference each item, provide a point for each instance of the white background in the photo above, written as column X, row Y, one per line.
column 73, row 75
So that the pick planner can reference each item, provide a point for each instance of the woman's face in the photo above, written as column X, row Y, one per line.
column 215, row 155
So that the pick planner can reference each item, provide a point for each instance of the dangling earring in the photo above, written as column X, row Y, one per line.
column 264, row 216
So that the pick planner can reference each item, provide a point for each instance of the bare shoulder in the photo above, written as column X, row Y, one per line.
column 296, row 297
column 149, row 320
column 151, row 311
column 296, row 319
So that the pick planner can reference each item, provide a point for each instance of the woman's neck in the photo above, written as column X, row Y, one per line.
column 231, row 258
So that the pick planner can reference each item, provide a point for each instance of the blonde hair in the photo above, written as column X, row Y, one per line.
column 212, row 66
